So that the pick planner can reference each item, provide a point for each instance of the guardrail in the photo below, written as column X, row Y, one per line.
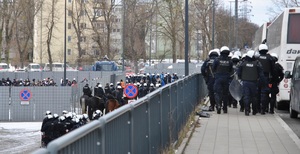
column 147, row 125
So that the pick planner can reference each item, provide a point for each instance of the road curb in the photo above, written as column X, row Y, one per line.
column 292, row 135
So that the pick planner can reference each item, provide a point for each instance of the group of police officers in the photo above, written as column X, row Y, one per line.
column 258, row 73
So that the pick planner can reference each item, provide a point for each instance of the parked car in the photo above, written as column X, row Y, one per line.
column 59, row 67
column 295, row 88
column 34, row 67
column 4, row 67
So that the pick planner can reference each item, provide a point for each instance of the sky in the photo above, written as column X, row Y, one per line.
column 259, row 10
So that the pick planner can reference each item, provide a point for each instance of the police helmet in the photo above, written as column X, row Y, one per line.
column 85, row 116
column 235, row 57
column 135, row 84
column 138, row 84
column 152, row 85
column 100, row 85
column 213, row 53
column 111, row 84
column 274, row 55
column 230, row 54
column 62, row 118
column 64, row 112
column 263, row 47
column 48, row 112
column 49, row 116
column 225, row 50
column 250, row 53
column 55, row 115
column 238, row 53
column 119, row 87
column 145, row 84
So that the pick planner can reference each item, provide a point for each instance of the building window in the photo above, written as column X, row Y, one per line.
column 83, row 25
column 82, row 39
column 69, row 25
column 69, row 12
column 70, row 1
column 69, row 51
column 118, row 30
column 69, row 38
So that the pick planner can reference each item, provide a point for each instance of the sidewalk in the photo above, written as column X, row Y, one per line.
column 235, row 133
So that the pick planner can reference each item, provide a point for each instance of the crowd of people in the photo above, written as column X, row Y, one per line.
column 27, row 82
column 55, row 126
column 259, row 74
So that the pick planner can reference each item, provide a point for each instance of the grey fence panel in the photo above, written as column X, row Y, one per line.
column 140, row 128
column 5, row 75
column 4, row 103
column 82, row 75
column 22, row 75
column 155, row 124
column 180, row 106
column 174, row 112
column 165, row 116
column 35, row 75
column 21, row 110
column 120, row 128
column 55, row 99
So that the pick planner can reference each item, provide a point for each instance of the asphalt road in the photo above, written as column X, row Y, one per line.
column 294, row 124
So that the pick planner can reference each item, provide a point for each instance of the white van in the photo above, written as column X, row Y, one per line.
column 58, row 67
column 294, row 75
column 4, row 67
column 33, row 67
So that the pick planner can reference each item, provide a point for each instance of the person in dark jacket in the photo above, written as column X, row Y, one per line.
column 250, row 72
column 222, row 68
column 208, row 75
column 276, row 79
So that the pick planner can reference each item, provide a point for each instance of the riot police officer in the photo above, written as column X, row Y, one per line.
column 250, row 71
column 87, row 91
column 208, row 75
column 267, row 63
column 276, row 79
column 222, row 66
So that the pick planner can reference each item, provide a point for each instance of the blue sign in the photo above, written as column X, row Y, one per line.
column 131, row 91
column 25, row 95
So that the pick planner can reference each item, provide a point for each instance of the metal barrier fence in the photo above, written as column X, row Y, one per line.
column 31, row 103
column 147, row 125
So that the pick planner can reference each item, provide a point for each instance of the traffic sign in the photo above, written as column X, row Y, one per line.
column 25, row 94
column 131, row 91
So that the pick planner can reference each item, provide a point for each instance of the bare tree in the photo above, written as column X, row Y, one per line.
column 204, row 16
column 7, row 24
column 77, row 14
column 102, row 20
column 169, row 11
column 23, row 17
column 280, row 5
column 51, row 19
column 138, row 18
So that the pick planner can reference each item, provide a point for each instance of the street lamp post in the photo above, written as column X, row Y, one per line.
column 213, row 25
column 186, row 37
column 65, row 46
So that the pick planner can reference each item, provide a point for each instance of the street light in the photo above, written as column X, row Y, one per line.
column 65, row 47
column 186, row 37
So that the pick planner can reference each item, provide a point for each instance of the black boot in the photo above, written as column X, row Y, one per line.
column 218, row 109
column 246, row 113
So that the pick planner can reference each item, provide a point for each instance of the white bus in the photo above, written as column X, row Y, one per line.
column 260, row 36
column 283, row 38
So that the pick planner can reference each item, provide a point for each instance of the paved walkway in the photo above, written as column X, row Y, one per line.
column 235, row 133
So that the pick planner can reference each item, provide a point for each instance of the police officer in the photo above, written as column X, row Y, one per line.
column 276, row 79
column 222, row 67
column 87, row 91
column 250, row 71
column 267, row 63
column 47, row 130
column 118, row 94
column 208, row 75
